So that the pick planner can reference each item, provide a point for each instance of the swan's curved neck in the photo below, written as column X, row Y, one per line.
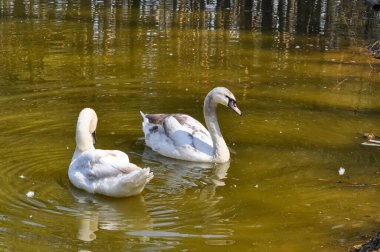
column 220, row 150
column 83, row 136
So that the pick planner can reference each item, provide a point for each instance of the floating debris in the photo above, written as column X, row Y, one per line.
column 369, row 136
column 371, row 139
column 30, row 194
column 374, row 49
column 341, row 171
column 353, row 184
column 337, row 226
column 371, row 143
column 371, row 245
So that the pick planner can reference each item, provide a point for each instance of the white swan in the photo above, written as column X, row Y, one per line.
column 182, row 137
column 107, row 172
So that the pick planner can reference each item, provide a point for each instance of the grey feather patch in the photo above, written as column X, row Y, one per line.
column 159, row 118
column 153, row 129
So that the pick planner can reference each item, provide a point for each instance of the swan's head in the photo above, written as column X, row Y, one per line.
column 225, row 97
column 86, row 129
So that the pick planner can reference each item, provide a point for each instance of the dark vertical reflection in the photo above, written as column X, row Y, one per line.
column 91, row 48
column 309, row 16
column 150, row 34
column 267, row 15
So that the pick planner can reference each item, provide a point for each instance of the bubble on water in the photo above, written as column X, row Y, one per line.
column 341, row 171
column 30, row 194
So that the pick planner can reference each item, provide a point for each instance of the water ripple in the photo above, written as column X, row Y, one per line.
column 186, row 188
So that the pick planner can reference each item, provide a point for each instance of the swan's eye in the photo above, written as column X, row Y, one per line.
column 231, row 102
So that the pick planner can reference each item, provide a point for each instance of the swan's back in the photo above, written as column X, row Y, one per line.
column 109, row 173
column 178, row 136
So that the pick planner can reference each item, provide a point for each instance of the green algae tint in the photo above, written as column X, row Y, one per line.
column 302, row 77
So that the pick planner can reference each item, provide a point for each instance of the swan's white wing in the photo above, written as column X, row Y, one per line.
column 182, row 129
column 201, row 139
column 178, row 136
column 112, row 163
column 109, row 173
column 196, row 126
column 200, row 134
column 104, row 163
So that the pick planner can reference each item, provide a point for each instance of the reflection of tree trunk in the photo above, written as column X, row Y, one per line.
column 302, row 13
column 309, row 16
column 267, row 9
column 281, row 18
column 136, row 3
column 224, row 4
column 246, row 17
column 19, row 9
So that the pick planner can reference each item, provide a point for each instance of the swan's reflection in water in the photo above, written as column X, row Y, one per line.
column 182, row 202
column 104, row 213
column 88, row 225
column 186, row 200
column 179, row 173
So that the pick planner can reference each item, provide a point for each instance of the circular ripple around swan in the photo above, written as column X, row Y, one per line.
column 184, row 199
column 181, row 201
column 35, row 180
column 35, row 157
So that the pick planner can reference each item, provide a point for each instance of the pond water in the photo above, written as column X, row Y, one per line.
column 302, row 77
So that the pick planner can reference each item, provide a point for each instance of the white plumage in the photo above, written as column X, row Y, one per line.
column 182, row 137
column 106, row 172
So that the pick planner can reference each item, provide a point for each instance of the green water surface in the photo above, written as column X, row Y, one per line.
column 302, row 78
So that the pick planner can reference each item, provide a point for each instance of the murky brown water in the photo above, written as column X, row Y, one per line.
column 302, row 78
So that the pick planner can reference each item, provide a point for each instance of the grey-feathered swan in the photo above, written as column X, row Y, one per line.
column 182, row 137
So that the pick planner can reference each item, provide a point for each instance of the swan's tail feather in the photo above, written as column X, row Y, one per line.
column 139, row 177
column 145, row 119
column 145, row 123
column 136, row 181
column 126, row 185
